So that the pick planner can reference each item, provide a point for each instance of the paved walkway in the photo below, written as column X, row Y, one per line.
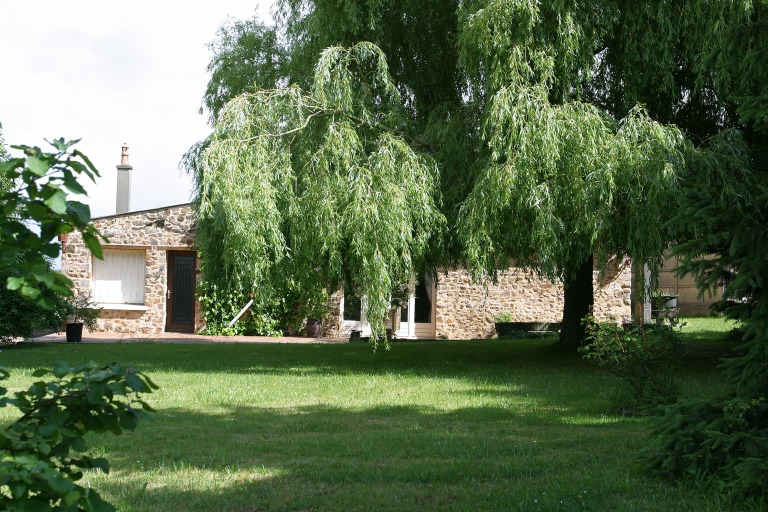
column 170, row 337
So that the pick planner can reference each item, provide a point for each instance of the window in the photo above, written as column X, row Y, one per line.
column 353, row 308
column 119, row 277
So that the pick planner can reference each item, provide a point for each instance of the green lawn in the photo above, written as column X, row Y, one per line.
column 456, row 425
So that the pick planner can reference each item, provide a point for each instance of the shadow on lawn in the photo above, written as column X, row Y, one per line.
column 382, row 458
column 447, row 356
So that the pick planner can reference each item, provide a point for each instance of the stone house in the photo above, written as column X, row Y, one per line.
column 146, row 283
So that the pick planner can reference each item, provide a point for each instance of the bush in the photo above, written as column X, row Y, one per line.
column 221, row 306
column 644, row 357
column 20, row 317
column 42, row 453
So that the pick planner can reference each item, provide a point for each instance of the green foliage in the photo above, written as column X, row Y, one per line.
column 724, row 442
column 300, row 191
column 42, row 452
column 565, row 181
column 19, row 317
column 734, row 52
column 36, row 190
column 505, row 317
column 221, row 306
column 530, row 112
column 724, row 220
column 82, row 309
column 644, row 357
column 246, row 56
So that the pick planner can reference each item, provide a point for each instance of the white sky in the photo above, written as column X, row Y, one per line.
column 108, row 73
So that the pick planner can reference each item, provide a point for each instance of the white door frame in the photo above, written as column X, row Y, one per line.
column 347, row 326
column 410, row 329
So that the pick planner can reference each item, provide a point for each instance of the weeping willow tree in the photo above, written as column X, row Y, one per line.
column 531, row 112
column 563, row 180
column 305, row 190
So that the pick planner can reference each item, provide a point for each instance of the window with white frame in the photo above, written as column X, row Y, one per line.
column 119, row 277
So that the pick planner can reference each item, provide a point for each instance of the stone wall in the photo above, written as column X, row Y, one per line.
column 463, row 310
column 155, row 232
column 467, row 311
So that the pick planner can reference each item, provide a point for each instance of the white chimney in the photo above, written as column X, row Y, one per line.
column 124, row 183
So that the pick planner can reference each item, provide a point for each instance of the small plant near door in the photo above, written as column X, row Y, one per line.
column 82, row 312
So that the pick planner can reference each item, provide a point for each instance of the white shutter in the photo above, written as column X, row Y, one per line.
column 119, row 277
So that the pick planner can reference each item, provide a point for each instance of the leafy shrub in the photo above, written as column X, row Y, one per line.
column 504, row 317
column 42, row 453
column 20, row 317
column 221, row 306
column 644, row 357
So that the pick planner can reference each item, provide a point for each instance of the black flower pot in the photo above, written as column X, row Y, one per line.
column 74, row 332
column 314, row 328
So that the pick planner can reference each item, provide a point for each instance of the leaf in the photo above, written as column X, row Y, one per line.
column 81, row 211
column 57, row 482
column 88, row 162
column 93, row 244
column 14, row 283
column 37, row 166
column 64, row 284
column 59, row 144
column 36, row 504
column 57, row 202
column 71, row 497
column 7, row 167
column 46, row 303
column 97, row 503
column 46, row 279
column 37, row 210
column 101, row 463
column 135, row 382
column 74, row 186
column 60, row 369
column 47, row 430
column 30, row 292
column 18, row 489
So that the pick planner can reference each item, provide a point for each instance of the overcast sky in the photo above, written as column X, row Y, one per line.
column 109, row 73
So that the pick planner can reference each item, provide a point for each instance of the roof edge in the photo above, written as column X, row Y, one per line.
column 116, row 215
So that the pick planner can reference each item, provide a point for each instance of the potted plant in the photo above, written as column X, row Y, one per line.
column 82, row 311
column 315, row 309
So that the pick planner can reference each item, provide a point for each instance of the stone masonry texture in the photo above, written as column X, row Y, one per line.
column 155, row 232
column 467, row 310
column 463, row 309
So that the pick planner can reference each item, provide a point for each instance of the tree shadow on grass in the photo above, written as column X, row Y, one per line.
column 445, row 357
column 381, row 458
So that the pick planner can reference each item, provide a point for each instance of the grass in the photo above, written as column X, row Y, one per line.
column 457, row 425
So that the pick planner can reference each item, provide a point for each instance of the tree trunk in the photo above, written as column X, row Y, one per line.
column 579, row 297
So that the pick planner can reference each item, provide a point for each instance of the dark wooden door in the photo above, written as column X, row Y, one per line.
column 180, row 297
